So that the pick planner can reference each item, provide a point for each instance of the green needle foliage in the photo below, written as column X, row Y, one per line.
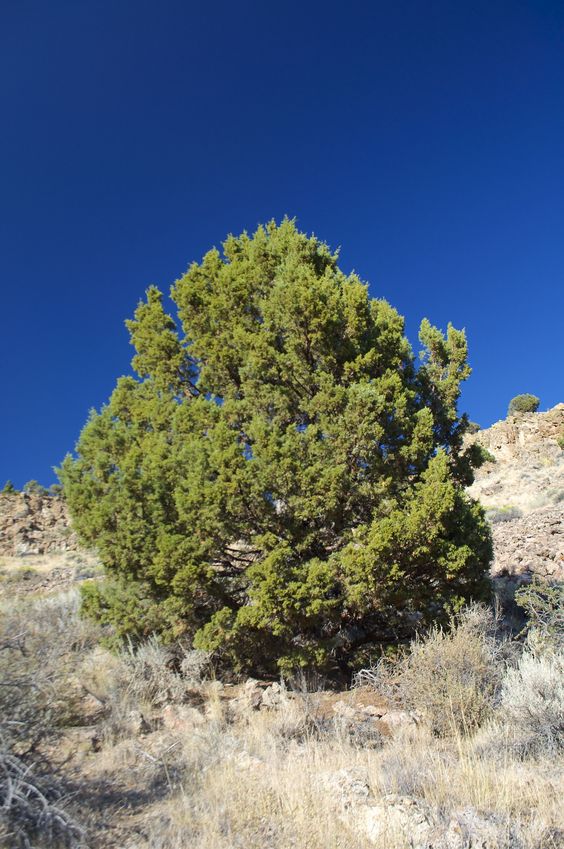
column 284, row 483
column 525, row 403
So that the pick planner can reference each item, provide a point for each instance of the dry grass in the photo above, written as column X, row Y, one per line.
column 451, row 677
column 249, row 786
column 253, row 784
column 41, row 644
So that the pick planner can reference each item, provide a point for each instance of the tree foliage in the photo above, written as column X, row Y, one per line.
column 525, row 403
column 283, row 481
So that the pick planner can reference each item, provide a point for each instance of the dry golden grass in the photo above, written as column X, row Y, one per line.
column 250, row 785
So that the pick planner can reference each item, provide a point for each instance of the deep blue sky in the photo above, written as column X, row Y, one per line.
column 425, row 138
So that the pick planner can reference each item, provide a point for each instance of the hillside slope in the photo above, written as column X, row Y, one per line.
column 523, row 491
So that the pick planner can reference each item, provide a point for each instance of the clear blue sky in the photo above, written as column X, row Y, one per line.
column 426, row 138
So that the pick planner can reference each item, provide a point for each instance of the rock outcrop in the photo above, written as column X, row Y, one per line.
column 523, row 492
column 394, row 819
column 34, row 523
column 528, row 471
column 531, row 544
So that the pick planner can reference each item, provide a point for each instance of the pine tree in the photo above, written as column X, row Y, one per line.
column 284, row 482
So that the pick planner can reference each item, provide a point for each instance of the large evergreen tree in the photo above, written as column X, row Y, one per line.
column 285, row 482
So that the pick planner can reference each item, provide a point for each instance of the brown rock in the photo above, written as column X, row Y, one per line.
column 34, row 523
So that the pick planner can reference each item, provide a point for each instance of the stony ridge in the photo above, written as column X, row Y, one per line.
column 34, row 523
column 523, row 491
column 529, row 468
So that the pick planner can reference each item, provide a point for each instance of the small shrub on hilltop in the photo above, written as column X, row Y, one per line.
column 285, row 482
column 34, row 487
column 525, row 403
column 9, row 488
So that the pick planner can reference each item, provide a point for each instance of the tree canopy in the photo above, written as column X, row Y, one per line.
column 283, row 480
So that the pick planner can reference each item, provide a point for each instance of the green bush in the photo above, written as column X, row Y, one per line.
column 9, row 488
column 285, row 482
column 485, row 455
column 523, row 404
column 560, row 441
column 35, row 487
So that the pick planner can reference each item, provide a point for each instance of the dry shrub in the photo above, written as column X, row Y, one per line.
column 532, row 697
column 148, row 676
column 41, row 644
column 141, row 679
column 505, row 513
column 29, row 810
column 532, row 703
column 154, row 675
column 451, row 677
column 543, row 604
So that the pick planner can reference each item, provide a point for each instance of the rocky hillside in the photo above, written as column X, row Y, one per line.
column 34, row 523
column 528, row 471
column 523, row 489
